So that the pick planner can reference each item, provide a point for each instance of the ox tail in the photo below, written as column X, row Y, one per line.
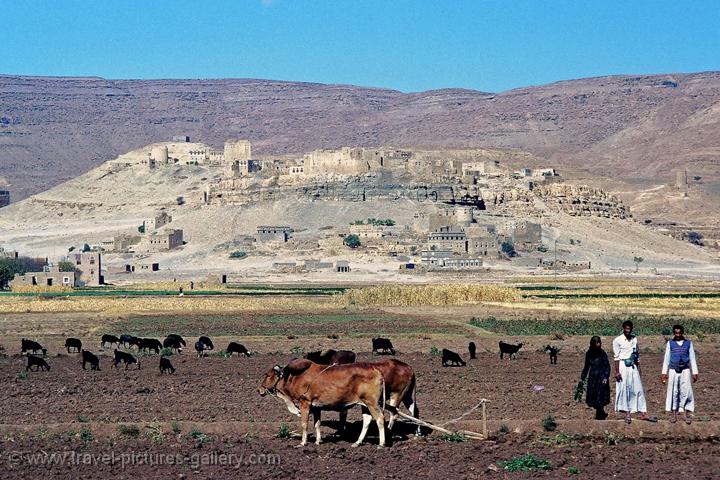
column 382, row 380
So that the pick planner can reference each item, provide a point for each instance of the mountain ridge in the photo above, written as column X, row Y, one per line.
column 626, row 127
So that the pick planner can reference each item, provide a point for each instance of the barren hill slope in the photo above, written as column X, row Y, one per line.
column 625, row 127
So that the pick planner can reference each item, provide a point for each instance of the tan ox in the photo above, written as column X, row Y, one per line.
column 305, row 386
column 399, row 387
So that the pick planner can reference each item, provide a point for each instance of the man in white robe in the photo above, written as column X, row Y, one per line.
column 629, row 396
column 679, row 371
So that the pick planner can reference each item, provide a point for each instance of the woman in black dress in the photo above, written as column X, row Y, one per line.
column 597, row 372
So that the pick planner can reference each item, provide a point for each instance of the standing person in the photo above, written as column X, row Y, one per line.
column 629, row 397
column 679, row 366
column 597, row 372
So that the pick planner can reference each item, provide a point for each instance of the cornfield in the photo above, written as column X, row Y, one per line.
column 417, row 295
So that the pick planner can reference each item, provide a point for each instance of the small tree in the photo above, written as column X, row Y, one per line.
column 238, row 254
column 352, row 241
column 638, row 261
column 695, row 238
column 86, row 248
column 508, row 248
column 66, row 266
column 8, row 268
column 141, row 228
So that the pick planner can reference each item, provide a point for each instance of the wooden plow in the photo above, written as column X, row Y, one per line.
column 441, row 428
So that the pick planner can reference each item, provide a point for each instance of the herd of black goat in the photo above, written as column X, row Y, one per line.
column 173, row 342
column 176, row 343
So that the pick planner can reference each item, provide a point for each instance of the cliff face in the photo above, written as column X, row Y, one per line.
column 53, row 129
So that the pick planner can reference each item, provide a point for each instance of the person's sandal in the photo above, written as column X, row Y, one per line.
column 688, row 420
column 673, row 419
column 628, row 420
column 651, row 419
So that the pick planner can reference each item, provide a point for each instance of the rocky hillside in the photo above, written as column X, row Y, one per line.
column 631, row 128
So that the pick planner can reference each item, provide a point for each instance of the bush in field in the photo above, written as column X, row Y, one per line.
column 549, row 424
column 352, row 241
column 526, row 463
column 284, row 431
column 454, row 437
column 435, row 351
column 132, row 431
column 238, row 254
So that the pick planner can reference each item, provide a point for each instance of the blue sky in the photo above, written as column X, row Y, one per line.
column 405, row 45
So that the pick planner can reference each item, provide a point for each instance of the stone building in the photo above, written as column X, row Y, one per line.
column 88, row 266
column 342, row 266
column 524, row 234
column 51, row 276
column 11, row 254
column 153, row 223
column 272, row 234
column 449, row 238
column 367, row 231
column 160, row 241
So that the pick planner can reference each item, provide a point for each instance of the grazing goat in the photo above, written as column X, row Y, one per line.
column 128, row 340
column 126, row 358
column 472, row 349
column 149, row 344
column 92, row 359
column 510, row 349
column 451, row 358
column 330, row 356
column 200, row 349
column 37, row 362
column 109, row 339
column 180, row 339
column 166, row 366
column 234, row 347
column 173, row 343
column 73, row 343
column 553, row 351
column 31, row 346
column 382, row 346
column 207, row 342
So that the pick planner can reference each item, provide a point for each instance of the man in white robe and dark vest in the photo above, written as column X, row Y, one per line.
column 630, row 396
column 679, row 371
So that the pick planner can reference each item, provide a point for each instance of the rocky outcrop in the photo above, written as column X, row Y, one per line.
column 581, row 200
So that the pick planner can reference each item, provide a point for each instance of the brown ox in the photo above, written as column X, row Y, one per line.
column 399, row 387
column 305, row 386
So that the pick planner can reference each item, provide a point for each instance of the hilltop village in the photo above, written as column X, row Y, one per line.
column 413, row 211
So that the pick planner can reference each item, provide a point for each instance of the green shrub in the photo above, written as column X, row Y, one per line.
column 132, row 431
column 526, row 463
column 435, row 351
column 238, row 254
column 155, row 433
column 549, row 424
column 175, row 427
column 166, row 352
column 284, row 431
column 453, row 437
column 503, row 430
column 352, row 241
column 573, row 470
column 197, row 434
